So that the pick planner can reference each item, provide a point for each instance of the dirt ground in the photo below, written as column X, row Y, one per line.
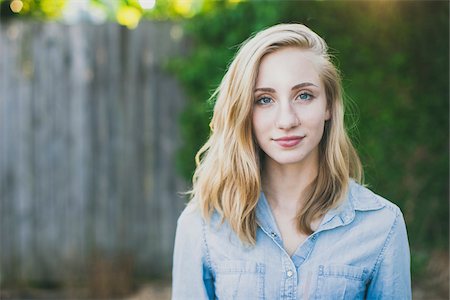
column 162, row 291
column 152, row 292
column 435, row 288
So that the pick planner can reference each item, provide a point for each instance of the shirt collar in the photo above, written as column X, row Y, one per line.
column 264, row 217
column 358, row 198
column 364, row 199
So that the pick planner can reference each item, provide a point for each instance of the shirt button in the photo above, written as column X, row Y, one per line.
column 273, row 234
column 289, row 273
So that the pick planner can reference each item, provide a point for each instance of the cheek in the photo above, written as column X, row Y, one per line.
column 259, row 122
column 314, row 119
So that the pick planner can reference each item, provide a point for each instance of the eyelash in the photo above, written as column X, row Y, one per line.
column 259, row 100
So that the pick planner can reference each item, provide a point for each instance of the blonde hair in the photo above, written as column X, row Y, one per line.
column 228, row 179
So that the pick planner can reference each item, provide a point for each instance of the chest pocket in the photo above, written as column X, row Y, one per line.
column 341, row 282
column 239, row 280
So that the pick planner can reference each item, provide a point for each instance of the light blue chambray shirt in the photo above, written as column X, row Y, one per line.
column 359, row 251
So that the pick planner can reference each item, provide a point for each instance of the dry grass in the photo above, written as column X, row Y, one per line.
column 152, row 291
column 435, row 285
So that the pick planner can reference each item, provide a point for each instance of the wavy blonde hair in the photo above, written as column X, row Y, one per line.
column 228, row 174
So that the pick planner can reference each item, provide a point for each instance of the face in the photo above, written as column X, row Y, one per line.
column 290, row 107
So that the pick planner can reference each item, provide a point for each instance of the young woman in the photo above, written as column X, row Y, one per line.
column 277, row 209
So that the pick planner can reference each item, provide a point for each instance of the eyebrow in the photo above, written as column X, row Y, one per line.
column 295, row 87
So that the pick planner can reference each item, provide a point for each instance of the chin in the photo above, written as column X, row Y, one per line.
column 287, row 160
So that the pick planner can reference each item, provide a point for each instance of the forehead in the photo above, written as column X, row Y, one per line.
column 289, row 65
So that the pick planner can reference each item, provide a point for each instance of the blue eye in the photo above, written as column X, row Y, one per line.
column 304, row 96
column 264, row 101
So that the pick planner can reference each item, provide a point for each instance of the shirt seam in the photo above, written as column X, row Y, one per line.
column 205, row 245
column 381, row 256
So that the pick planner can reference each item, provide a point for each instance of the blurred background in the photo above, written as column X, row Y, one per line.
column 103, row 105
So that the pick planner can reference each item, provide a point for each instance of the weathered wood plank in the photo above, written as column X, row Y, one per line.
column 88, row 133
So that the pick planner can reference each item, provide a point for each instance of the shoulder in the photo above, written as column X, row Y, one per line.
column 377, row 215
column 190, row 219
column 374, row 211
column 363, row 199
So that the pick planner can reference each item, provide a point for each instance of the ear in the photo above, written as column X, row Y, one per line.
column 327, row 114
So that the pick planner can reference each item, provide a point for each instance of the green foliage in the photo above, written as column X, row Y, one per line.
column 34, row 9
column 394, row 60
column 125, row 12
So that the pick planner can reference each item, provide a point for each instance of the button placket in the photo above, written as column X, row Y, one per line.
column 290, row 278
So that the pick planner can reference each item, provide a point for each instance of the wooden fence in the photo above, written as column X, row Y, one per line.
column 88, row 133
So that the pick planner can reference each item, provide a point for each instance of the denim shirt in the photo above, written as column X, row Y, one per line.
column 359, row 251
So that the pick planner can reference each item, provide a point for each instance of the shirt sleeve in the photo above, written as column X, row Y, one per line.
column 191, row 273
column 392, row 278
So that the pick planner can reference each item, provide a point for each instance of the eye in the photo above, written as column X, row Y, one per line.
column 264, row 100
column 305, row 96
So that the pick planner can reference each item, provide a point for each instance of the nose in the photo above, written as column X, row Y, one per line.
column 287, row 117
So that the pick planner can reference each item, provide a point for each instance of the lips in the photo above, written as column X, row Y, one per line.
column 289, row 141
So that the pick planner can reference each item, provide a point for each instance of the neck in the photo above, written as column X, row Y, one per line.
column 285, row 185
